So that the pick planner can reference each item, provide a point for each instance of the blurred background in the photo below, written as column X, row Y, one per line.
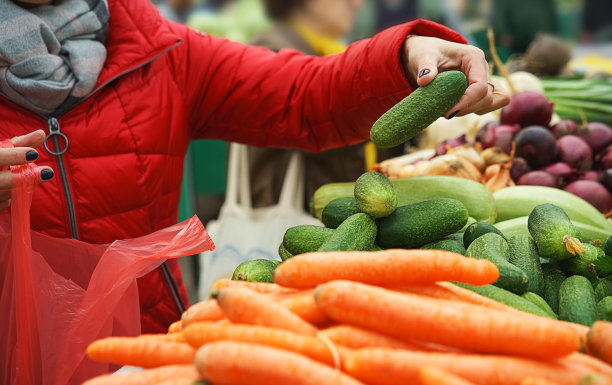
column 549, row 38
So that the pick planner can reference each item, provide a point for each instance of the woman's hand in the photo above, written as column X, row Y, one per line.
column 424, row 57
column 23, row 152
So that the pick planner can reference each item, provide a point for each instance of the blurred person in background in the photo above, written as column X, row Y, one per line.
column 175, row 10
column 597, row 21
column 393, row 12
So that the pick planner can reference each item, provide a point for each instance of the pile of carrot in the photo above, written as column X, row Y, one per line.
column 363, row 318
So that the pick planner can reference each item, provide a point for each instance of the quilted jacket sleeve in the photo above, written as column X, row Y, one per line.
column 254, row 96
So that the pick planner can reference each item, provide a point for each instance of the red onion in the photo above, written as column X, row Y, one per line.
column 539, row 178
column 592, row 192
column 597, row 135
column 589, row 175
column 562, row 171
column 564, row 127
column 605, row 158
column 527, row 108
column 500, row 136
column 485, row 128
column 452, row 143
column 605, row 178
column 575, row 152
column 537, row 145
column 519, row 168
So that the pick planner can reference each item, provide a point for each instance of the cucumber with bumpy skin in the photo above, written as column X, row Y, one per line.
column 507, row 298
column 447, row 244
column 607, row 247
column 478, row 229
column 540, row 302
column 375, row 195
column 357, row 233
column 418, row 110
column 518, row 226
column 305, row 238
column 577, row 301
column 524, row 255
column 338, row 210
column 553, row 278
column 283, row 253
column 259, row 270
column 602, row 290
column 604, row 309
column 553, row 232
column 589, row 264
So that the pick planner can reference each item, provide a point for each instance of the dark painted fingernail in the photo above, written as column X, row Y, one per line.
column 46, row 174
column 31, row 155
column 453, row 114
column 423, row 73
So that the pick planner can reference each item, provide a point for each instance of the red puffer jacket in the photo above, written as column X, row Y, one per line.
column 163, row 85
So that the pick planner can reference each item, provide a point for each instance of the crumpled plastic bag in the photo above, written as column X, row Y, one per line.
column 59, row 295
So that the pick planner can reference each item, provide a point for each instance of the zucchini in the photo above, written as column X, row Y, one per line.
column 519, row 226
column 504, row 296
column 494, row 247
column 357, row 232
column 524, row 255
column 553, row 278
column 258, row 270
column 539, row 302
column 477, row 229
column 447, row 244
column 418, row 110
column 283, row 253
column 338, row 210
column 554, row 233
column 604, row 309
column 577, row 301
column 474, row 196
column 375, row 195
column 519, row 201
column 414, row 225
column 305, row 238
column 592, row 263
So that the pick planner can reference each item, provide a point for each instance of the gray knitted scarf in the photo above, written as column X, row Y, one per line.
column 51, row 55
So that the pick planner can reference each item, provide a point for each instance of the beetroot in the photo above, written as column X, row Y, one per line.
column 537, row 145
column 605, row 178
column 539, row 178
column 519, row 168
column 485, row 128
column 564, row 127
column 589, row 175
column 575, row 152
column 562, row 171
column 452, row 143
column 597, row 135
column 527, row 108
column 605, row 158
column 500, row 136
column 592, row 192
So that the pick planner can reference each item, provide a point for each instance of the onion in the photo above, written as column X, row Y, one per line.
column 500, row 136
column 564, row 127
column 519, row 168
column 605, row 178
column 592, row 192
column 452, row 143
column 537, row 145
column 575, row 152
column 605, row 158
column 486, row 127
column 527, row 108
column 589, row 175
column 539, row 178
column 597, row 135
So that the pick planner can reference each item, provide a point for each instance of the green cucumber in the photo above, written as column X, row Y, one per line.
column 414, row 225
column 447, row 244
column 604, row 309
column 467, row 224
column 418, row 110
column 375, row 195
column 554, row 233
column 311, row 207
column 474, row 196
column 539, row 301
column 607, row 247
column 587, row 264
column 357, row 232
column 524, row 255
column 507, row 298
column 602, row 289
column 259, row 270
column 305, row 238
column 553, row 278
column 283, row 253
column 494, row 248
column 577, row 301
column 517, row 226
column 338, row 210
column 376, row 248
column 477, row 229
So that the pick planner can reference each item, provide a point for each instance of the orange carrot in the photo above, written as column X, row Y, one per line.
column 356, row 338
column 536, row 381
column 175, row 327
column 202, row 333
column 174, row 337
column 260, row 287
column 594, row 379
column 237, row 363
column 303, row 304
column 246, row 306
column 433, row 376
column 395, row 367
column 428, row 290
column 599, row 341
column 208, row 310
column 179, row 381
column 589, row 362
column 456, row 324
column 142, row 352
column 384, row 268
column 146, row 377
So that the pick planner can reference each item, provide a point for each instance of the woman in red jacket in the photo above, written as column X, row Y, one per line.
column 115, row 94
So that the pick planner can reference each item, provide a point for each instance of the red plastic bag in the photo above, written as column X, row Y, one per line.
column 59, row 295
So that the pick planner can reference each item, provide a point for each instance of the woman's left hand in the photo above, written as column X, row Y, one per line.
column 425, row 56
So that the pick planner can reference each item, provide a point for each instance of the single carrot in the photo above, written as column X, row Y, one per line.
column 237, row 363
column 384, row 268
column 433, row 376
column 428, row 290
column 395, row 367
column 142, row 352
column 202, row 333
column 357, row 338
column 456, row 324
column 589, row 362
column 260, row 287
column 599, row 341
column 173, row 337
column 175, row 327
column 146, row 377
column 208, row 310
column 536, row 381
column 246, row 306
column 303, row 304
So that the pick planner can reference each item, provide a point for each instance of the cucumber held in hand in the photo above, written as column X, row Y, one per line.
column 357, row 232
column 418, row 110
column 554, row 233
column 338, row 210
column 375, row 195
column 259, row 270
